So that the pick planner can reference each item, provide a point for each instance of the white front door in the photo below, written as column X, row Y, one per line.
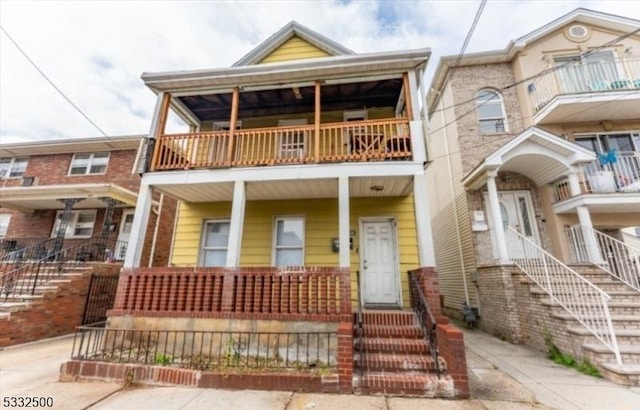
column 123, row 234
column 516, row 209
column 379, row 263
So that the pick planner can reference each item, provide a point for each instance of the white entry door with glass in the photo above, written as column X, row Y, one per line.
column 123, row 234
column 516, row 210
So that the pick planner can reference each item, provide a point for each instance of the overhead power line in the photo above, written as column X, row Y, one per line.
column 51, row 82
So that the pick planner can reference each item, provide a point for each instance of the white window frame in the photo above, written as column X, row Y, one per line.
column 90, row 163
column 7, row 171
column 275, row 248
column 203, row 239
column 4, row 224
column 503, row 118
column 74, row 224
column 225, row 125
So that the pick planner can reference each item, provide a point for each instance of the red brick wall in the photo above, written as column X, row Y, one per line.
column 56, row 314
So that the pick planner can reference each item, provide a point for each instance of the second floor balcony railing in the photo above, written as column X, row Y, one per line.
column 387, row 139
column 581, row 77
column 617, row 172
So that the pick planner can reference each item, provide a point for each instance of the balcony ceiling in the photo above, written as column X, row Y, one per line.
column 607, row 203
column 604, row 106
column 285, row 101
column 291, row 189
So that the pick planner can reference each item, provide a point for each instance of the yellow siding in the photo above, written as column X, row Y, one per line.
column 321, row 223
column 294, row 49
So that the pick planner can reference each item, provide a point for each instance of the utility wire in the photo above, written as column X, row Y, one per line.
column 469, row 34
column 51, row 82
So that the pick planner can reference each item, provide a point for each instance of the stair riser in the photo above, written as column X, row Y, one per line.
column 396, row 366
column 599, row 357
column 393, row 332
column 373, row 347
column 627, row 340
column 389, row 319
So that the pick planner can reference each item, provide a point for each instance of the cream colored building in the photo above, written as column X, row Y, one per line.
column 543, row 139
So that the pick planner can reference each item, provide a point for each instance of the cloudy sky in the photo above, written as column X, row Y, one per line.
column 95, row 51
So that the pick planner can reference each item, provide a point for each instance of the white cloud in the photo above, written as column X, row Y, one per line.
column 96, row 51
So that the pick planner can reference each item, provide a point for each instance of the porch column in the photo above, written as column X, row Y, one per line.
column 586, row 227
column 106, row 223
column 236, row 225
column 494, row 206
column 64, row 222
column 158, row 124
column 423, row 221
column 343, row 222
column 235, row 102
column 139, row 226
column 574, row 184
column 316, row 122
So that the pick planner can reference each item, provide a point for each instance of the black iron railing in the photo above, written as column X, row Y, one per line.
column 362, row 345
column 25, row 276
column 208, row 350
column 425, row 318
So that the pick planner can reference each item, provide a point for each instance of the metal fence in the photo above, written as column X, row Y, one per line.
column 100, row 298
column 208, row 350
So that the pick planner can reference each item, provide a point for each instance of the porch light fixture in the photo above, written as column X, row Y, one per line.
column 376, row 188
column 297, row 93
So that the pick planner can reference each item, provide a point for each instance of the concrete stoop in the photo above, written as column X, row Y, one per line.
column 392, row 358
column 623, row 307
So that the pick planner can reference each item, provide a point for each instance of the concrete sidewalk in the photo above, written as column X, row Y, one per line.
column 502, row 377
column 553, row 385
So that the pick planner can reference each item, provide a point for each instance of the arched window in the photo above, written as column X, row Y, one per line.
column 491, row 112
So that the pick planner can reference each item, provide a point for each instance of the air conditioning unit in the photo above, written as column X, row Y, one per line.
column 28, row 181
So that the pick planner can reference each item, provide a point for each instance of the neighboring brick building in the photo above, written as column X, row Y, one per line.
column 94, row 179
column 542, row 139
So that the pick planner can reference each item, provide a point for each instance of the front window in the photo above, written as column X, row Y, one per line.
column 13, row 167
column 215, row 243
column 88, row 164
column 490, row 112
column 4, row 224
column 80, row 224
column 288, row 241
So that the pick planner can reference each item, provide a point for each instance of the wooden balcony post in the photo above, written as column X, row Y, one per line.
column 158, row 125
column 317, row 122
column 407, row 95
column 235, row 100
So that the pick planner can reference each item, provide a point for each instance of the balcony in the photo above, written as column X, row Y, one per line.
column 612, row 182
column 354, row 141
column 594, row 91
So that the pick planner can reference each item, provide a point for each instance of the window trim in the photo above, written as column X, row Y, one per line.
column 505, row 122
column 633, row 134
column 12, row 162
column 203, row 238
column 274, row 240
column 73, row 224
column 7, row 218
column 89, row 164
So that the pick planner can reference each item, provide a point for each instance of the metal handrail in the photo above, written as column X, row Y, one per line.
column 619, row 259
column 425, row 318
column 583, row 300
column 42, row 270
column 360, row 330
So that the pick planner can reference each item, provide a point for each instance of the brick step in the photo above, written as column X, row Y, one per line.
column 10, row 305
column 388, row 318
column 618, row 321
column 626, row 336
column 386, row 362
column 599, row 353
column 627, row 374
column 391, row 345
column 616, row 309
column 410, row 332
column 406, row 384
column 22, row 298
column 618, row 296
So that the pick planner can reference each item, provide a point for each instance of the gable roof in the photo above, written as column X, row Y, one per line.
column 579, row 15
column 293, row 28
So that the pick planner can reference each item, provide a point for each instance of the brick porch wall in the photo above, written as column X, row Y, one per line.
column 499, row 306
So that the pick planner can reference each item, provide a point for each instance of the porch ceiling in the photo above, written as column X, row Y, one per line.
column 28, row 199
column 292, row 189
column 285, row 101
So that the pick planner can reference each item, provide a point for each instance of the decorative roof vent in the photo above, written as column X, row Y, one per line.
column 578, row 31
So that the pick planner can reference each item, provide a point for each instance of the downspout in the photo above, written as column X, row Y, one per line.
column 155, row 231
column 455, row 208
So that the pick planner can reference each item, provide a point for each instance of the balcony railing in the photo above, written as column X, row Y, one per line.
column 619, row 172
column 575, row 78
column 387, row 139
